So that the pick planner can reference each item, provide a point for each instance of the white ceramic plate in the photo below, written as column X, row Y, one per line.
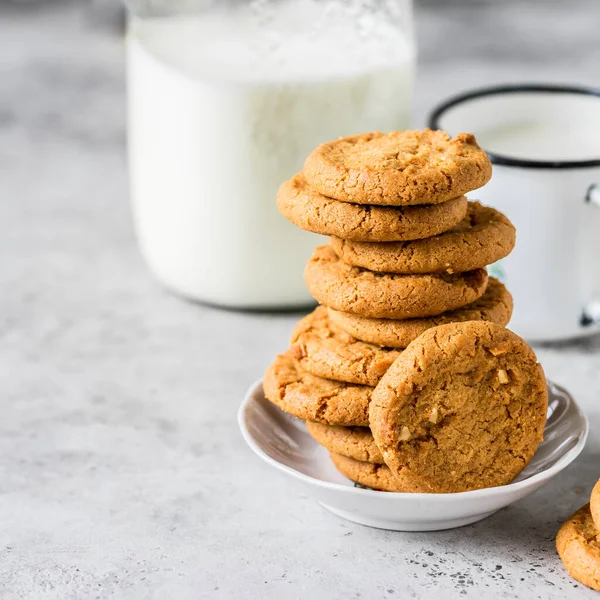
column 283, row 442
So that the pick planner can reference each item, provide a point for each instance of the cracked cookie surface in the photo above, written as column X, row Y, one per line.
column 386, row 295
column 462, row 408
column 495, row 306
column 398, row 168
column 327, row 351
column 313, row 398
column 314, row 212
column 483, row 237
column 578, row 545
column 353, row 442
column 377, row 477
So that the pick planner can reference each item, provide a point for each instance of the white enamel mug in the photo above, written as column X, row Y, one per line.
column 544, row 144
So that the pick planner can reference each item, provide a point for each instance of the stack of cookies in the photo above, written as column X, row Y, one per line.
column 578, row 542
column 407, row 253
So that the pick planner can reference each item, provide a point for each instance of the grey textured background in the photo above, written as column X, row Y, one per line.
column 122, row 473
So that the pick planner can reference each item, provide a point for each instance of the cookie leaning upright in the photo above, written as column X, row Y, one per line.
column 400, row 168
column 462, row 408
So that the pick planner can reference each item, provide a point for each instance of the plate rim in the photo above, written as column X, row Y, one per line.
column 561, row 464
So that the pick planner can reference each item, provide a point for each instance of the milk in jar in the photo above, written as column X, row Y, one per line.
column 224, row 105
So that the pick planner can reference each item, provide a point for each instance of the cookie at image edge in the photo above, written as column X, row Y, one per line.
column 462, row 408
column 595, row 504
column 353, row 442
column 387, row 295
column 314, row 212
column 398, row 168
column 312, row 398
column 327, row 351
column 483, row 237
column 578, row 545
column 495, row 306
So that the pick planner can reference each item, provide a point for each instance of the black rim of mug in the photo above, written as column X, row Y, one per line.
column 499, row 159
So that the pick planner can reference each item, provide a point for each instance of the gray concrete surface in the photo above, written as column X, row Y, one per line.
column 122, row 472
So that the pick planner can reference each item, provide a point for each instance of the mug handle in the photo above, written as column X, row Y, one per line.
column 592, row 196
column 591, row 313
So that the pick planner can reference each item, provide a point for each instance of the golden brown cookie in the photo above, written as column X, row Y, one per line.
column 495, row 306
column 398, row 168
column 313, row 398
column 376, row 477
column 354, row 442
column 462, row 408
column 578, row 545
column 387, row 295
column 314, row 212
column 483, row 237
column 595, row 504
column 327, row 351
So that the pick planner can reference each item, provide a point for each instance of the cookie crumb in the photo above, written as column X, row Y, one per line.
column 433, row 417
column 497, row 351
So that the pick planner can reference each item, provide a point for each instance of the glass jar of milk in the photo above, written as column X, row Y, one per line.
column 226, row 99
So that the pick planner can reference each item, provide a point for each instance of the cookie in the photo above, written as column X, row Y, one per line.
column 314, row 212
column 578, row 545
column 495, row 306
column 462, row 408
column 399, row 168
column 386, row 295
column 483, row 237
column 354, row 442
column 313, row 398
column 376, row 477
column 595, row 504
column 327, row 351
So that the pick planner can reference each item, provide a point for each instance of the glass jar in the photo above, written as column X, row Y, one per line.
column 226, row 100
